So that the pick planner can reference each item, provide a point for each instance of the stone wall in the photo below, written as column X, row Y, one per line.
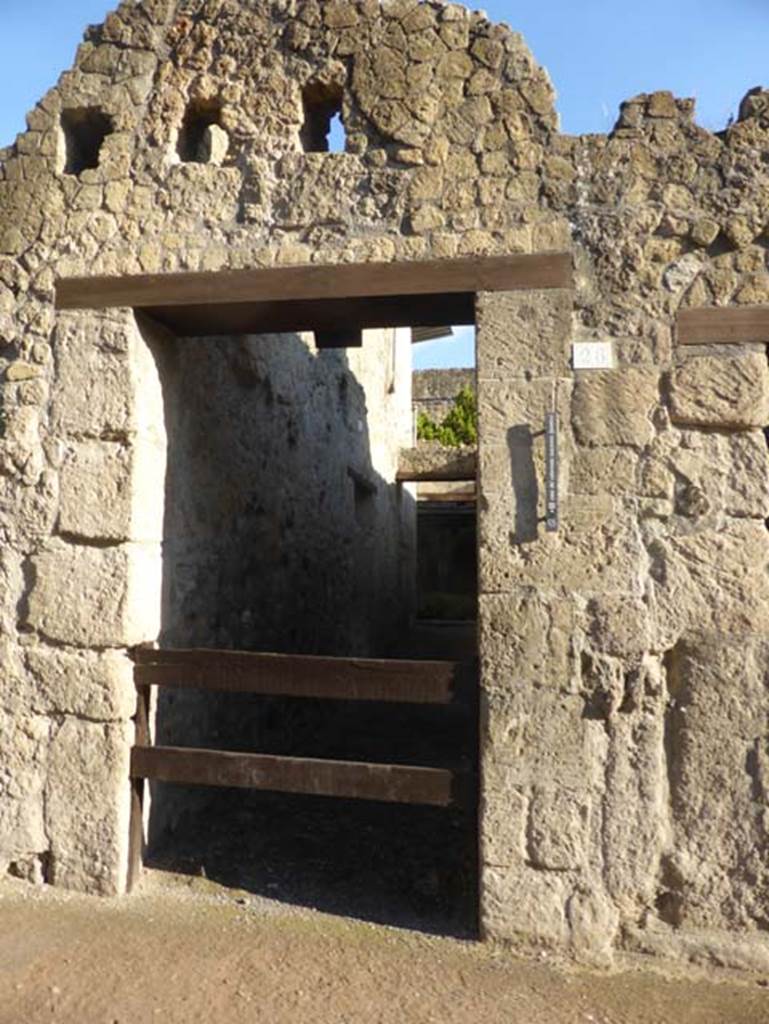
column 280, row 511
column 624, row 658
column 436, row 390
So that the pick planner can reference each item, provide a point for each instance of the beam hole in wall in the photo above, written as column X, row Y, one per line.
column 82, row 134
column 202, row 139
column 323, row 130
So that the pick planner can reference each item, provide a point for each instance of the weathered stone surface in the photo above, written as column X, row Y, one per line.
column 619, row 625
column 87, row 804
column 605, row 470
column 711, row 580
column 524, row 334
column 94, row 596
column 24, row 740
column 596, row 550
column 434, row 461
column 707, row 475
column 717, row 765
column 92, row 393
column 721, row 391
column 98, row 687
column 503, row 818
column 112, row 490
column 95, row 491
column 615, row 406
column 527, row 637
column 525, row 905
column 558, row 829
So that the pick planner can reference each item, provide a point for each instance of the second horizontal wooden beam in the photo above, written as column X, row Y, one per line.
column 389, row 783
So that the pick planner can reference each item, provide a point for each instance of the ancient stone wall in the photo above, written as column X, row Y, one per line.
column 624, row 659
column 436, row 390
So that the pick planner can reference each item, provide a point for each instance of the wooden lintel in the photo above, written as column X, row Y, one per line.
column 725, row 325
column 344, row 281
column 289, row 675
column 390, row 783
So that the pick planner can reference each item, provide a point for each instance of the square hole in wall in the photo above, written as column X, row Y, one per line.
column 201, row 138
column 82, row 134
column 323, row 130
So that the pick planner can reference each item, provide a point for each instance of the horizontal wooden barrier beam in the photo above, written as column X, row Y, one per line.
column 291, row 675
column 727, row 325
column 389, row 783
column 343, row 281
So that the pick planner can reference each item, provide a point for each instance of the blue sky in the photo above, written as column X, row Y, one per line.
column 597, row 52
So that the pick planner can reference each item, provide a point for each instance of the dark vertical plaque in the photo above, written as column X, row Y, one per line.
column 551, row 461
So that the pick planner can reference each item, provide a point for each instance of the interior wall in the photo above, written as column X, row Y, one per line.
column 284, row 528
column 280, row 495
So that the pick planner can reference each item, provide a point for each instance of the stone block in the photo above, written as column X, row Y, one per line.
column 619, row 625
column 524, row 905
column 505, row 405
column 607, row 470
column 713, row 580
column 594, row 924
column 87, row 805
column 635, row 800
column 503, row 814
column 728, row 391
column 95, row 596
column 113, row 490
column 598, row 549
column 718, row 766
column 524, row 334
column 708, row 474
column 527, row 637
column 558, row 828
column 615, row 407
column 95, row 491
column 92, row 392
column 24, row 745
column 542, row 734
column 98, row 687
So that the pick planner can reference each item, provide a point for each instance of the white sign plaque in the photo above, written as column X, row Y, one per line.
column 592, row 355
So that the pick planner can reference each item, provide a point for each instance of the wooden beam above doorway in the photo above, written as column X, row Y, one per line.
column 326, row 298
column 723, row 325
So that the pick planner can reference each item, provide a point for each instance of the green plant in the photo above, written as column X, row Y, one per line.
column 459, row 426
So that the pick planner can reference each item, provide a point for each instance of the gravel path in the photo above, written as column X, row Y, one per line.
column 184, row 950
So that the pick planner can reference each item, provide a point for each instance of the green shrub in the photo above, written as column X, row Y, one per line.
column 459, row 427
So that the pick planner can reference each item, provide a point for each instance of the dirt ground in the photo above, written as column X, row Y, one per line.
column 182, row 950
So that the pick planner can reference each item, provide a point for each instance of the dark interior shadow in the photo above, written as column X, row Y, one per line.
column 280, row 536
column 520, row 443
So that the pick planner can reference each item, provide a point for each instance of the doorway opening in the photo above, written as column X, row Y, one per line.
column 289, row 534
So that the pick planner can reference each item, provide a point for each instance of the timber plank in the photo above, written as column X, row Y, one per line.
column 382, row 782
column 291, row 284
column 723, row 325
column 289, row 675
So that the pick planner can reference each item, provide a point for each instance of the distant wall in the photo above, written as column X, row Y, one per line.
column 436, row 390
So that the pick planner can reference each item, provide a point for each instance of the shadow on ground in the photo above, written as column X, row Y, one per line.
column 411, row 867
